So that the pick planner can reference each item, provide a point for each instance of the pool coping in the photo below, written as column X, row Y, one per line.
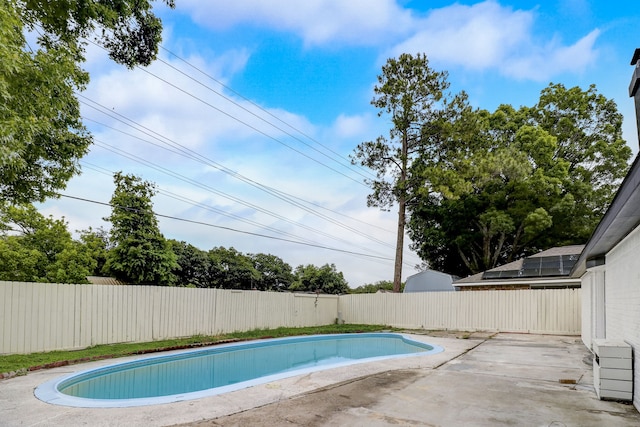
column 19, row 406
column 48, row 391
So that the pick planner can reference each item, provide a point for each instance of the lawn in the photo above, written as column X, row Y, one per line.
column 20, row 364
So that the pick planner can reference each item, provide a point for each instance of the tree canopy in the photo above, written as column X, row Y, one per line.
column 513, row 182
column 140, row 253
column 38, row 249
column 193, row 265
column 274, row 273
column 372, row 288
column 325, row 279
column 42, row 137
column 34, row 248
column 230, row 269
column 128, row 29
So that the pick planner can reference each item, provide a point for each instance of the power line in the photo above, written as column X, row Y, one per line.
column 231, row 116
column 258, row 107
column 250, row 112
column 230, row 229
column 210, row 189
column 181, row 150
column 273, row 191
column 200, row 205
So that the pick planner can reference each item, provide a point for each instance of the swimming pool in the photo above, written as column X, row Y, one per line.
column 205, row 372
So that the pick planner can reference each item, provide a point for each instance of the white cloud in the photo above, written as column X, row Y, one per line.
column 477, row 36
column 485, row 36
column 192, row 110
column 488, row 36
column 316, row 21
column 352, row 126
column 544, row 62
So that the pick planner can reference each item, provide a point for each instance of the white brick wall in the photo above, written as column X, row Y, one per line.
column 622, row 296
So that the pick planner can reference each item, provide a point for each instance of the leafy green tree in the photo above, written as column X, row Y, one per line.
column 275, row 274
column 588, row 130
column 372, row 288
column 18, row 262
column 325, row 279
column 230, row 269
column 509, row 184
column 96, row 244
column 38, row 249
column 193, row 265
column 413, row 97
column 42, row 137
column 127, row 28
column 140, row 253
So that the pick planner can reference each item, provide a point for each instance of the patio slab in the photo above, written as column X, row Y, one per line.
column 508, row 379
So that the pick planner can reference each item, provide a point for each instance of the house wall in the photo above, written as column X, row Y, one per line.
column 587, row 313
column 593, row 305
column 622, row 299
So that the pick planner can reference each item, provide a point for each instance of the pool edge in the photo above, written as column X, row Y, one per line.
column 48, row 391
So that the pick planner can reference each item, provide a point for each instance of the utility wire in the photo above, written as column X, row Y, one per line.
column 257, row 130
column 243, row 122
column 229, row 228
column 181, row 150
column 107, row 172
column 246, row 124
column 231, row 116
column 199, row 204
column 258, row 116
column 244, row 98
column 183, row 178
column 278, row 194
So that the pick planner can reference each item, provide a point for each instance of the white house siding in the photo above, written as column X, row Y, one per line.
column 593, row 305
column 587, row 313
column 622, row 295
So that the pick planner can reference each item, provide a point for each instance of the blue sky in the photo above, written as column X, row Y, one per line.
column 267, row 97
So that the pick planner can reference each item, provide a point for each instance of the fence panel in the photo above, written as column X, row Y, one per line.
column 42, row 316
column 548, row 311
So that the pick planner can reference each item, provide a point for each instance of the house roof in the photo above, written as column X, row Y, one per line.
column 98, row 280
column 622, row 216
column 429, row 281
column 515, row 272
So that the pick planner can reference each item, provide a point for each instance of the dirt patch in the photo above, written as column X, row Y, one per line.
column 465, row 335
column 317, row 407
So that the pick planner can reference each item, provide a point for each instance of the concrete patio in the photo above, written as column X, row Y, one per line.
column 479, row 380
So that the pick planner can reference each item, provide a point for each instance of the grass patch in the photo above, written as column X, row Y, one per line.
column 21, row 363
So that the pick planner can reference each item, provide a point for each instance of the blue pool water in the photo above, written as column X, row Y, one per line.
column 204, row 372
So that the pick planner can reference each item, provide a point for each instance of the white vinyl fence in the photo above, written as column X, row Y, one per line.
column 42, row 317
column 540, row 311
